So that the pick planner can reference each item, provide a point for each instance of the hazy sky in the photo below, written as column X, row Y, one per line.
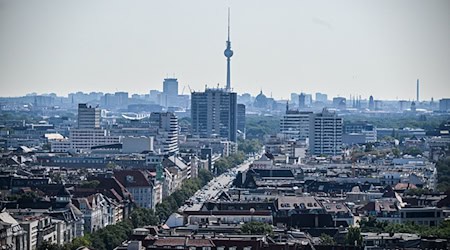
column 337, row 47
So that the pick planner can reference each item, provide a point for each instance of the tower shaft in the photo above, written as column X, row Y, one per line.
column 417, row 91
column 228, row 74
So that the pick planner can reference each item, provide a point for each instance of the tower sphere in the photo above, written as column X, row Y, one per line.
column 228, row 52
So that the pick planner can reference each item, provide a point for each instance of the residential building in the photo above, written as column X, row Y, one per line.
column 166, row 128
column 295, row 124
column 323, row 98
column 325, row 134
column 145, row 190
column 214, row 114
column 12, row 235
column 359, row 132
column 95, row 211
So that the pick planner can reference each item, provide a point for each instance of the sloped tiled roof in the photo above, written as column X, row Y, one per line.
column 132, row 178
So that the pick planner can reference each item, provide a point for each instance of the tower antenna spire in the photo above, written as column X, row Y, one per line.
column 228, row 54
column 228, row 24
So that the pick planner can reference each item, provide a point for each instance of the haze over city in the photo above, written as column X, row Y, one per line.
column 340, row 48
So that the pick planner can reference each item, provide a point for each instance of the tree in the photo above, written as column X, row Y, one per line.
column 144, row 217
column 354, row 237
column 79, row 242
column 369, row 147
column 325, row 239
column 256, row 227
column 249, row 146
column 111, row 165
column 90, row 184
column 45, row 245
column 396, row 152
column 443, row 170
column 204, row 176
column 413, row 151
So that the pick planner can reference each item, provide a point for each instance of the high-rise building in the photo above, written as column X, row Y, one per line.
column 371, row 103
column 294, row 98
column 321, row 97
column 214, row 113
column 241, row 118
column 121, row 99
column 325, row 134
column 302, row 101
column 88, row 117
column 170, row 87
column 308, row 100
column 166, row 139
column 295, row 124
column 88, row 134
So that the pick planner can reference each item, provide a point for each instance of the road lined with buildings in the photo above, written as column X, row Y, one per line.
column 213, row 189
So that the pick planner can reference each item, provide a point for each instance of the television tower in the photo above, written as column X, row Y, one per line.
column 228, row 54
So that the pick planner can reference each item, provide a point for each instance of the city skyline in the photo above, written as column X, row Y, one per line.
column 281, row 49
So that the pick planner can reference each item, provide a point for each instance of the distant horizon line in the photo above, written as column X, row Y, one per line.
column 329, row 97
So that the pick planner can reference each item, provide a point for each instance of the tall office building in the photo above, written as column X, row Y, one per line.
column 295, row 124
column 241, row 118
column 325, row 134
column 170, row 87
column 88, row 117
column 302, row 101
column 214, row 113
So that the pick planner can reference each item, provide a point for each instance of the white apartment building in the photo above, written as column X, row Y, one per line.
column 295, row 124
column 166, row 138
column 325, row 134
column 84, row 139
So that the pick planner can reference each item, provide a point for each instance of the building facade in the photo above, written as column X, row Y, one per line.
column 325, row 134
column 295, row 124
column 166, row 137
column 88, row 117
column 214, row 114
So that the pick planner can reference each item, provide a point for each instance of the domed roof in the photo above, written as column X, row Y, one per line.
column 261, row 101
column 260, row 95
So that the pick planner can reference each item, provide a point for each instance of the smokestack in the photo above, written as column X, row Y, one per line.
column 417, row 91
